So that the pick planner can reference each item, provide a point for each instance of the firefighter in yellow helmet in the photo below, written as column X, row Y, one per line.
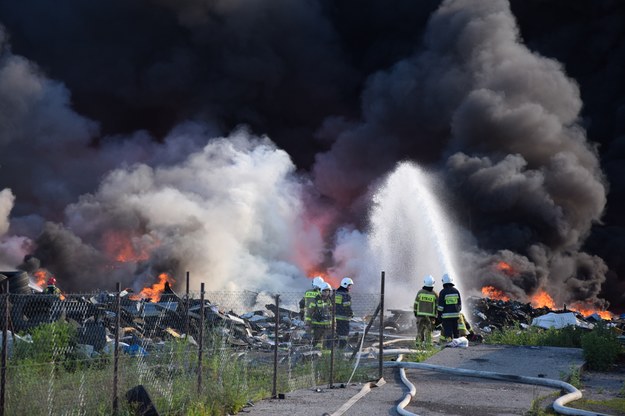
column 425, row 310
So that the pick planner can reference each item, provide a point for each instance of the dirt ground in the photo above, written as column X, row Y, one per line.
column 603, row 386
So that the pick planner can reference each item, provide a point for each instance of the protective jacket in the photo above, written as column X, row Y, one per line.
column 321, row 312
column 425, row 303
column 52, row 290
column 343, row 301
column 307, row 302
column 449, row 302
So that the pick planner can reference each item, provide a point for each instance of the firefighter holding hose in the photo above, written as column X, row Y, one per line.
column 425, row 310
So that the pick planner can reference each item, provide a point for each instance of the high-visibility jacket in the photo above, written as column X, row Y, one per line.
column 321, row 312
column 426, row 302
column 307, row 302
column 343, row 302
column 449, row 302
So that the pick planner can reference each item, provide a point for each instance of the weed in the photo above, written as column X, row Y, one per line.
column 601, row 347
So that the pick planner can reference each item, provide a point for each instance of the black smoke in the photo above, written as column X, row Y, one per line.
column 519, row 105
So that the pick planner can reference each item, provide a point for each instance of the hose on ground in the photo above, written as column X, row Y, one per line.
column 412, row 391
column 558, row 404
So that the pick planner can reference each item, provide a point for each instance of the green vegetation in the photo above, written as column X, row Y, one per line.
column 615, row 406
column 601, row 348
column 600, row 345
column 48, row 374
column 569, row 336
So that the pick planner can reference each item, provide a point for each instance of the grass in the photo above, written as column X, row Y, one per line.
column 601, row 349
column 616, row 405
column 63, row 381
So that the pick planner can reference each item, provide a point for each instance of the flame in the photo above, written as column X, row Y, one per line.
column 124, row 248
column 154, row 292
column 334, row 282
column 504, row 267
column 494, row 293
column 41, row 276
column 588, row 310
column 542, row 299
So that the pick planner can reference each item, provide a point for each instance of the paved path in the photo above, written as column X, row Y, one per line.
column 438, row 393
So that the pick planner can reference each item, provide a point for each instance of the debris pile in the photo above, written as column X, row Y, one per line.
column 145, row 325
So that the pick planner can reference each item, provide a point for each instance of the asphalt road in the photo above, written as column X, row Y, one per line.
column 439, row 393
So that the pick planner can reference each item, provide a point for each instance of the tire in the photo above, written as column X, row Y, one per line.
column 18, row 282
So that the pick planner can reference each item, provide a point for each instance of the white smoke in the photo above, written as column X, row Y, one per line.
column 231, row 214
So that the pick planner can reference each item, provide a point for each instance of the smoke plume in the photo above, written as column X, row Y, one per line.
column 243, row 142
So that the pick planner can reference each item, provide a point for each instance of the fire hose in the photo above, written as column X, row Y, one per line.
column 558, row 404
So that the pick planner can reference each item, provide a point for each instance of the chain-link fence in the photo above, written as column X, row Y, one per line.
column 208, row 353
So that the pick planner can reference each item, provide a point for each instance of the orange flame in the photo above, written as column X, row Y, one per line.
column 42, row 276
column 123, row 248
column 334, row 282
column 588, row 310
column 155, row 291
column 542, row 299
column 504, row 267
column 494, row 293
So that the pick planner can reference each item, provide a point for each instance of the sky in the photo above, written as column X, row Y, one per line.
column 248, row 141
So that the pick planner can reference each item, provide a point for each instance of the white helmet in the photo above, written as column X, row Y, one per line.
column 447, row 279
column 428, row 281
column 317, row 282
column 346, row 282
column 325, row 286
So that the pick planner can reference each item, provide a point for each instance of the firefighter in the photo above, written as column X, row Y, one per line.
column 321, row 317
column 449, row 307
column 51, row 289
column 425, row 310
column 307, row 302
column 344, row 313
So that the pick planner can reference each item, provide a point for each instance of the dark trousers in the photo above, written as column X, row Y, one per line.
column 342, row 332
column 450, row 328
column 321, row 334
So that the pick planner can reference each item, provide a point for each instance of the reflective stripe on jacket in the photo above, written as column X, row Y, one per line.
column 308, row 301
column 449, row 302
column 425, row 303
column 343, row 301
column 321, row 312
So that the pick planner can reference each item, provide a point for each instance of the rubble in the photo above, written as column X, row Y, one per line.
column 145, row 324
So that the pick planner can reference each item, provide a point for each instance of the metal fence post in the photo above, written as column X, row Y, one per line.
column 116, row 350
column 381, row 358
column 200, row 341
column 274, row 391
column 5, row 341
column 333, row 335
column 186, row 309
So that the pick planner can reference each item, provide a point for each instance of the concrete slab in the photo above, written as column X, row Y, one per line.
column 439, row 393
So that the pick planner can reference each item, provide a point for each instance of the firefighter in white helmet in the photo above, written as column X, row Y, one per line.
column 449, row 307
column 344, row 313
column 425, row 310
column 321, row 317
column 308, row 301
